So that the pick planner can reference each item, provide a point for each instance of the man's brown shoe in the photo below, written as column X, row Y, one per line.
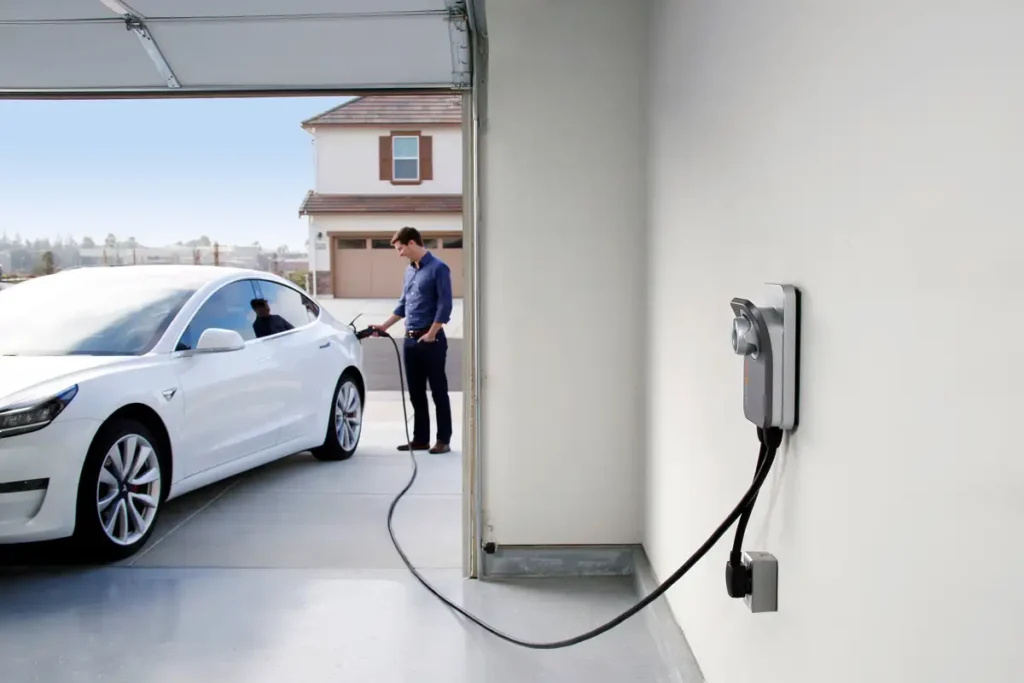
column 440, row 448
column 415, row 446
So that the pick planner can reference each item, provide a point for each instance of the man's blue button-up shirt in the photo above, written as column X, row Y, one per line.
column 426, row 294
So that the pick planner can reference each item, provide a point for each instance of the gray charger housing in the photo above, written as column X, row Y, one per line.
column 768, row 338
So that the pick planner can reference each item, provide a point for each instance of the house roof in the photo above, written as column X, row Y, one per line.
column 315, row 203
column 430, row 108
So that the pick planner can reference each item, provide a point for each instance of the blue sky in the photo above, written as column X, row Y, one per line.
column 158, row 170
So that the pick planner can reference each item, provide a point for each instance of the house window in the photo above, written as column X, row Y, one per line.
column 405, row 157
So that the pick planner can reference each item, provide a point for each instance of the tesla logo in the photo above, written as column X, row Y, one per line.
column 169, row 394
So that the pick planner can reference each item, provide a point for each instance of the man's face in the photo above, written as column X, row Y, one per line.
column 262, row 310
column 404, row 250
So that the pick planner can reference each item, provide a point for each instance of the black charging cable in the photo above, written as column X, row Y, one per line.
column 765, row 460
column 738, row 579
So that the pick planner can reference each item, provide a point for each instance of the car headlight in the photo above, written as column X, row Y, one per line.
column 26, row 417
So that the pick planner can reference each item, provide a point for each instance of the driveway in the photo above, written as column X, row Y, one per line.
column 378, row 310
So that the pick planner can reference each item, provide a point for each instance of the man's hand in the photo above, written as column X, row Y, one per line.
column 431, row 335
column 383, row 327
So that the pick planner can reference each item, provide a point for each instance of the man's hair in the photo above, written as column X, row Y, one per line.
column 406, row 235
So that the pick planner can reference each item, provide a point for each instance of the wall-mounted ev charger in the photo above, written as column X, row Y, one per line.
column 767, row 336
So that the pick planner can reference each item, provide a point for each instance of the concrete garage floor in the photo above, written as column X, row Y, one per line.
column 287, row 573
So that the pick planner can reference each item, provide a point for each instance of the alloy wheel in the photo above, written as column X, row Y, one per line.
column 348, row 416
column 128, row 490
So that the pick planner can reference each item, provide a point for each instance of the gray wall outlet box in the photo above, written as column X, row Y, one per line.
column 764, row 582
column 767, row 335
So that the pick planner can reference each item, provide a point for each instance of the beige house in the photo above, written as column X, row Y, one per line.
column 383, row 163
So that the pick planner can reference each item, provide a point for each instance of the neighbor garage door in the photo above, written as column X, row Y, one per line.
column 367, row 267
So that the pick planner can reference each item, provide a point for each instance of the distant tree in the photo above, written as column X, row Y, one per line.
column 87, row 243
column 111, row 241
column 48, row 264
column 203, row 241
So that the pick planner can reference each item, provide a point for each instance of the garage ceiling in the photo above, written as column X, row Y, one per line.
column 167, row 47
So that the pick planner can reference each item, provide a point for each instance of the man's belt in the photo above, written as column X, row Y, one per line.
column 416, row 334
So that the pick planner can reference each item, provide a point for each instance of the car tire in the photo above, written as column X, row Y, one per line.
column 118, row 510
column 345, row 425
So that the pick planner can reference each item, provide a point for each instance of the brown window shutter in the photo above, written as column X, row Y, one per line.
column 385, row 157
column 426, row 157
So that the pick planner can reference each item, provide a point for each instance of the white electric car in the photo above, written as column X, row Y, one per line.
column 123, row 387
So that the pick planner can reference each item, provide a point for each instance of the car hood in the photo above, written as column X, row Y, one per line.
column 22, row 376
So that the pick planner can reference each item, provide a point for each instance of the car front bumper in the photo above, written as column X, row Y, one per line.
column 39, row 475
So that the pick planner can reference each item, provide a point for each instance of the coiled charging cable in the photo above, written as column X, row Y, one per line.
column 770, row 441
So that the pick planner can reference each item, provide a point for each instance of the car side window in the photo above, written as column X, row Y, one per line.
column 229, row 308
column 296, row 309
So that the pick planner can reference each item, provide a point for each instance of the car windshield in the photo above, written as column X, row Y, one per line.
column 89, row 314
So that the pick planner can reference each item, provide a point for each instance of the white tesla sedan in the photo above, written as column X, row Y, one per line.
column 124, row 387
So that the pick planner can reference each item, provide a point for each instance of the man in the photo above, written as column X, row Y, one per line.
column 267, row 323
column 426, row 305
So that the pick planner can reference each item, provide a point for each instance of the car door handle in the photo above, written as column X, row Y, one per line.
column 325, row 344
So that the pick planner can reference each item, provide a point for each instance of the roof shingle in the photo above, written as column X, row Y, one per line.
column 315, row 203
column 430, row 108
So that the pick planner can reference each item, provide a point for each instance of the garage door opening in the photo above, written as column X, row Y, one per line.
column 238, row 185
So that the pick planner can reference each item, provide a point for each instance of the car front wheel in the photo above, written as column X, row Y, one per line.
column 120, row 491
column 346, row 423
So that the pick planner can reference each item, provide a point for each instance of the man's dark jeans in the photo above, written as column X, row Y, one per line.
column 425, row 363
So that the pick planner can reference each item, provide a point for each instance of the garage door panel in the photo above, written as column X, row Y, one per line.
column 219, row 8
column 51, row 46
column 366, row 52
column 352, row 269
column 51, row 10
column 388, row 272
column 97, row 55
column 453, row 257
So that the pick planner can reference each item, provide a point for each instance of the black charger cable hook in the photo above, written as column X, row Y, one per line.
column 738, row 579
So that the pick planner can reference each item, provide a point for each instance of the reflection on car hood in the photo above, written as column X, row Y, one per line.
column 21, row 373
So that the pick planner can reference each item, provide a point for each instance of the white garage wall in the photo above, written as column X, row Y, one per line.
column 562, row 272
column 872, row 154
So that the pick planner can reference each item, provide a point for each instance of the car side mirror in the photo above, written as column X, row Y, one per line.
column 217, row 340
